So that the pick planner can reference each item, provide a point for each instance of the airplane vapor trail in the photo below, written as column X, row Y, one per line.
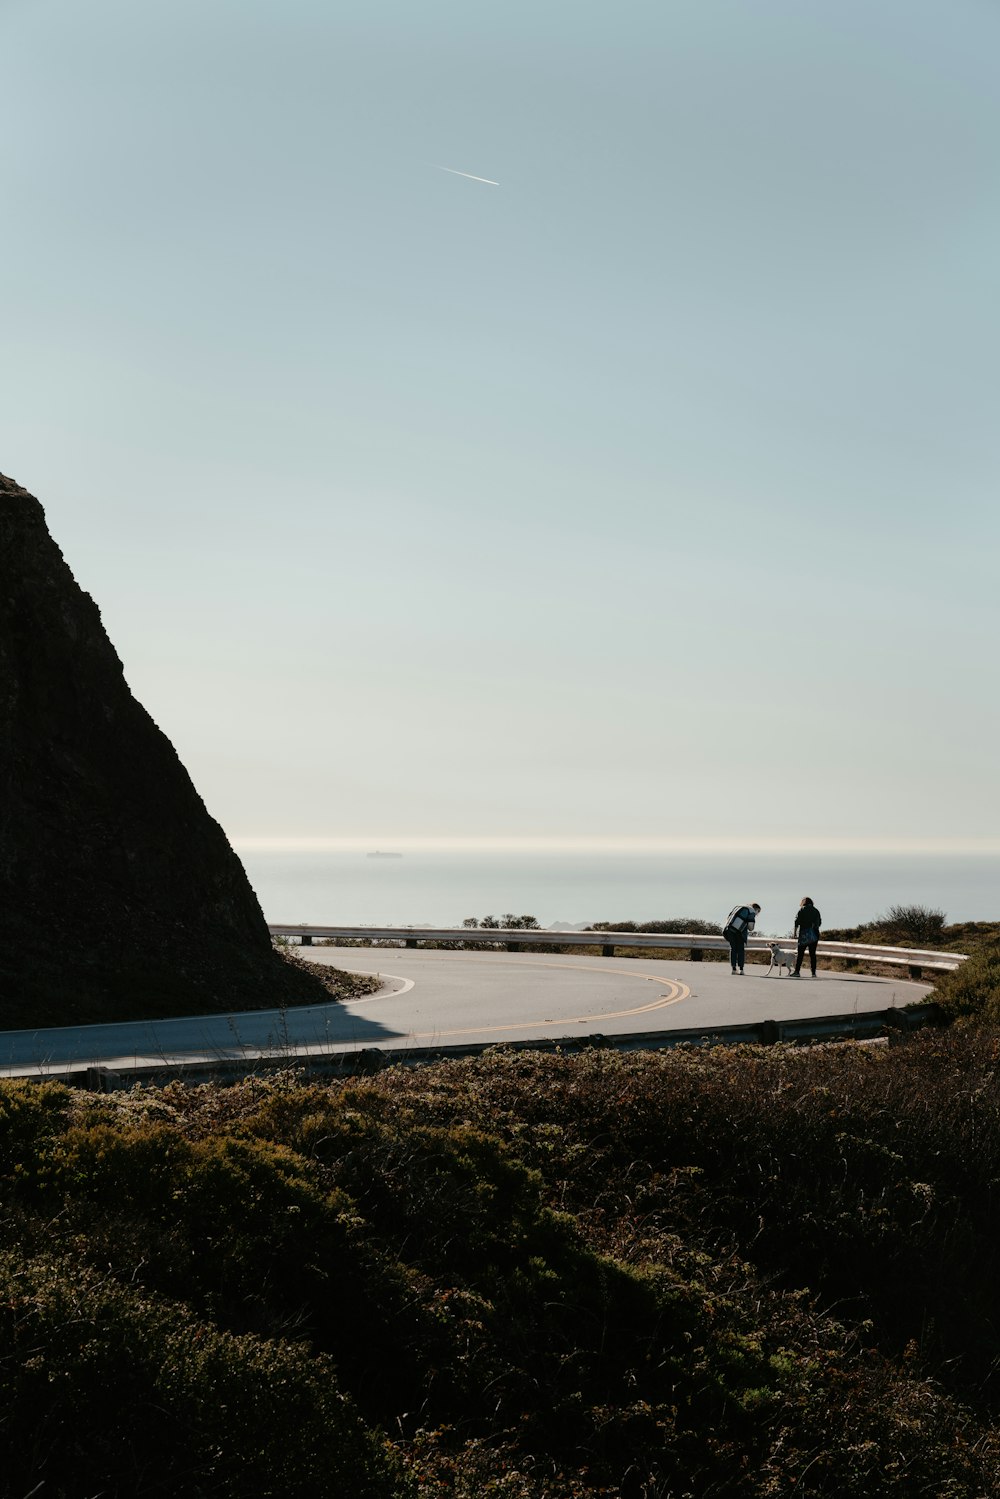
column 456, row 173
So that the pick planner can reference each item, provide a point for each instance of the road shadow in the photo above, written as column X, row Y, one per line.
column 226, row 1037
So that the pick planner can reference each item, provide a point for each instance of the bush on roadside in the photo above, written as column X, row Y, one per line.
column 547, row 1276
column 899, row 926
column 691, row 924
column 30, row 1113
column 971, row 992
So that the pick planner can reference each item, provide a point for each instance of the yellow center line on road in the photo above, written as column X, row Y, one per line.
column 674, row 994
column 498, row 962
column 625, row 973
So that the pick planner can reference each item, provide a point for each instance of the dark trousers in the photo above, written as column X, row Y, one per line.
column 737, row 947
column 805, row 947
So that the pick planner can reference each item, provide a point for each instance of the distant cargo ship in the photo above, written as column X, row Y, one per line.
column 380, row 853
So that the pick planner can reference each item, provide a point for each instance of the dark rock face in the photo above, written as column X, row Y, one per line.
column 120, row 897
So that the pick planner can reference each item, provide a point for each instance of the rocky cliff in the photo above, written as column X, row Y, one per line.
column 120, row 897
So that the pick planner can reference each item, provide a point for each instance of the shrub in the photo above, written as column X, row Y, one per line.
column 868, row 1177
column 907, row 926
column 107, row 1390
column 971, row 992
column 242, row 1231
column 691, row 924
column 549, row 1276
column 29, row 1114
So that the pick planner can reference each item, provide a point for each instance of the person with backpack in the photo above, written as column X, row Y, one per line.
column 739, row 924
column 807, row 925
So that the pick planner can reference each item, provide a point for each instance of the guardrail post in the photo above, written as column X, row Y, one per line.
column 696, row 954
column 305, row 940
column 411, row 941
column 608, row 950
column 100, row 1079
column 915, row 971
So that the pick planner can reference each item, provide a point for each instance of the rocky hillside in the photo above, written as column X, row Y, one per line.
column 119, row 895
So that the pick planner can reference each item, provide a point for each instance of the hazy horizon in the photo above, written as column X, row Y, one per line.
column 443, row 886
column 387, row 842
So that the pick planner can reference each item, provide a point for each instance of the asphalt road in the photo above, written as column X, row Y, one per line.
column 433, row 998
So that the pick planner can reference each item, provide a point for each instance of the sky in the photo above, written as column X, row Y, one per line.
column 647, row 497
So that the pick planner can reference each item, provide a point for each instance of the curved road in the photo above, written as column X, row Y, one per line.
column 434, row 998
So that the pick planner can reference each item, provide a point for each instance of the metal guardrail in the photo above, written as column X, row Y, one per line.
column 916, row 959
column 858, row 1026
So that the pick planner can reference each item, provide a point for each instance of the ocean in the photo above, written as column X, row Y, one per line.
column 436, row 888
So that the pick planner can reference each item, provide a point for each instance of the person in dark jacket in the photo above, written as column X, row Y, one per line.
column 807, row 925
column 739, row 924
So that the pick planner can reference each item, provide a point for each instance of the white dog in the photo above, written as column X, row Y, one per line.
column 779, row 960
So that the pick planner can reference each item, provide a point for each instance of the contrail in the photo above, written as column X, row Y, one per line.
column 456, row 173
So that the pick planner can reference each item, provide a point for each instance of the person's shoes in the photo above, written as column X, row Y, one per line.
column 741, row 973
column 734, row 972
column 794, row 975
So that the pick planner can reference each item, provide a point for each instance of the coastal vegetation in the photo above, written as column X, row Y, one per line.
column 704, row 1273
column 687, row 924
column 971, row 993
column 912, row 926
column 710, row 1272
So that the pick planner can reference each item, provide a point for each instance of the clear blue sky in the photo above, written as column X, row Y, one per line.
column 651, row 494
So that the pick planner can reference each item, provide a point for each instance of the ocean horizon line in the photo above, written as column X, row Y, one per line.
column 598, row 844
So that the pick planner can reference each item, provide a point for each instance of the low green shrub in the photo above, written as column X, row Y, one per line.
column 535, row 1316
column 971, row 992
column 957, row 936
column 908, row 926
column 29, row 1114
column 106, row 1390
column 241, row 1230
column 868, row 1177
column 548, row 1276
column 692, row 924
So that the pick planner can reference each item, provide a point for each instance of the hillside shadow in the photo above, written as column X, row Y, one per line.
column 225, row 1037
